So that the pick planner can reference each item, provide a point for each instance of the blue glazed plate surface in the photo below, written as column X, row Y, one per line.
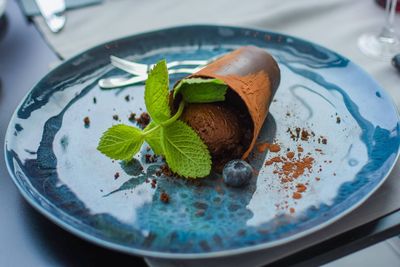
column 53, row 160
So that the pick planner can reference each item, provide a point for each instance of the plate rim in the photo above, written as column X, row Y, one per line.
column 202, row 255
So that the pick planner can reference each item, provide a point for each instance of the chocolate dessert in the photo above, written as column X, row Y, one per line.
column 208, row 119
column 230, row 128
column 218, row 126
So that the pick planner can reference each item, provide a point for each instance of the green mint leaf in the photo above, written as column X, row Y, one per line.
column 121, row 142
column 154, row 139
column 156, row 93
column 185, row 152
column 199, row 90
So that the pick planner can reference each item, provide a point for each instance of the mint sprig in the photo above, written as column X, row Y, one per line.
column 121, row 142
column 199, row 90
column 184, row 151
column 153, row 138
column 156, row 93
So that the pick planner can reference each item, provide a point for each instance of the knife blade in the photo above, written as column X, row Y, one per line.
column 53, row 13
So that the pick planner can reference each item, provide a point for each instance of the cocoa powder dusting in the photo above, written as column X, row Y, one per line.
column 291, row 168
column 274, row 148
column 296, row 195
column 276, row 159
column 294, row 166
column 290, row 155
column 271, row 147
column 301, row 188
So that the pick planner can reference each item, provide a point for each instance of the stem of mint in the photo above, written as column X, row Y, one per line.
column 167, row 122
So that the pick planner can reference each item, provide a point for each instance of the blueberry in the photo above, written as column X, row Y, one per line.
column 396, row 62
column 237, row 173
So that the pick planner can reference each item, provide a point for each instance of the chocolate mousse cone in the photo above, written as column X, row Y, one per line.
column 254, row 76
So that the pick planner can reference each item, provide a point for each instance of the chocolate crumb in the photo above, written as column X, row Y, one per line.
column 305, row 135
column 153, row 183
column 164, row 197
column 115, row 117
column 143, row 120
column 166, row 170
column 86, row 121
column 337, row 120
column 150, row 158
column 324, row 141
column 132, row 117
column 127, row 98
column 116, row 175
column 298, row 132
column 94, row 100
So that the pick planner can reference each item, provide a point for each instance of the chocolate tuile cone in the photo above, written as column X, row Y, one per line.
column 254, row 75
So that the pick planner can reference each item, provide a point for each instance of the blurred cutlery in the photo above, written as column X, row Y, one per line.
column 53, row 13
column 396, row 62
column 141, row 69
column 118, row 81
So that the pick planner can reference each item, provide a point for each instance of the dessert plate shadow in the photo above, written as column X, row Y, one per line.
column 351, row 133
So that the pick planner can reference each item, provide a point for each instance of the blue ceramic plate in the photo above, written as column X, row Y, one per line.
column 354, row 141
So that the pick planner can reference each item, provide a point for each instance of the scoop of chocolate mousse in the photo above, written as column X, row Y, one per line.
column 218, row 126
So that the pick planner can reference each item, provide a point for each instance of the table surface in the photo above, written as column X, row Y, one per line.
column 29, row 239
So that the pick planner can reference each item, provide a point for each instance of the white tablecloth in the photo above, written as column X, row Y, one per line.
column 335, row 24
